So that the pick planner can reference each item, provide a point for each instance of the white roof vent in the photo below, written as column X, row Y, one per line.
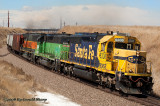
column 114, row 33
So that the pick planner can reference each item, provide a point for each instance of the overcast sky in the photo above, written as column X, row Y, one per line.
column 48, row 13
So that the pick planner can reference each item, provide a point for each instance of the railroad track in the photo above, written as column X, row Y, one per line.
column 146, row 100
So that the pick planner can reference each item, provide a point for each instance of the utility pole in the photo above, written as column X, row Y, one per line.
column 8, row 19
column 3, row 23
column 64, row 24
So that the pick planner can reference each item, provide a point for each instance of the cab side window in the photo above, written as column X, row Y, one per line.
column 110, row 47
column 103, row 46
column 137, row 47
column 129, row 46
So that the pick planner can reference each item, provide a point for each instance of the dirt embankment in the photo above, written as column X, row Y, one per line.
column 5, row 31
column 149, row 37
column 14, row 83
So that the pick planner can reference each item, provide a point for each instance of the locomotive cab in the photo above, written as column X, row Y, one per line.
column 125, row 51
column 130, row 59
column 123, row 57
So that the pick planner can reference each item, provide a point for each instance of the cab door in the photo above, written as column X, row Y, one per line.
column 109, row 57
column 102, row 56
column 109, row 51
column 102, row 52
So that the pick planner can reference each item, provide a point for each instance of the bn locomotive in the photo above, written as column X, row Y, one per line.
column 113, row 60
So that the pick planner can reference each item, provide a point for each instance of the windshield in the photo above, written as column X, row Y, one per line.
column 124, row 46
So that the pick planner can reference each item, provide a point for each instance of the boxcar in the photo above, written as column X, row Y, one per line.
column 17, row 42
column 9, row 40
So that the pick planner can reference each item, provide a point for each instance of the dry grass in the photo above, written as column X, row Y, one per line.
column 5, row 31
column 148, row 35
column 14, row 83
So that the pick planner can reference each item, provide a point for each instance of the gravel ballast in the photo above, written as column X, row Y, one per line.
column 77, row 92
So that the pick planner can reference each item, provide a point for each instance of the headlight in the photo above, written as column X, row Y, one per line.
column 138, row 53
column 130, row 71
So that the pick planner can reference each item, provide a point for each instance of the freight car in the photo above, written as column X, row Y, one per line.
column 14, row 42
column 113, row 60
column 9, row 40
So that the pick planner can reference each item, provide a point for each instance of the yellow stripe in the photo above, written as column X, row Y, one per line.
column 98, row 69
column 133, row 74
column 26, row 51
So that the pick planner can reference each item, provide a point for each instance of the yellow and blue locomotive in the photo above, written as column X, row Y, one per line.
column 112, row 59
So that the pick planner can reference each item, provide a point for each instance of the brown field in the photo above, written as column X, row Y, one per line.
column 14, row 83
column 149, row 36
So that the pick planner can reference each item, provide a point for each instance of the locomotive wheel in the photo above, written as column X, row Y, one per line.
column 64, row 71
column 53, row 66
column 108, row 82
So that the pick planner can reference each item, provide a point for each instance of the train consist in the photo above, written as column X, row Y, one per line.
column 113, row 60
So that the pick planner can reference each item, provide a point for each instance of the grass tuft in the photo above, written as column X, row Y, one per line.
column 14, row 83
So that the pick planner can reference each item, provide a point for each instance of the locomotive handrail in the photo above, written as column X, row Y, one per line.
column 123, row 65
column 117, row 66
column 144, row 67
column 150, row 69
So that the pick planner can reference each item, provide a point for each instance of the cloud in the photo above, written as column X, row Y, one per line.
column 85, row 8
column 83, row 15
column 27, row 8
